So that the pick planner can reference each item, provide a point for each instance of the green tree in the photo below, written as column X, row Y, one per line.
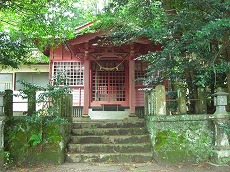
column 41, row 24
column 194, row 35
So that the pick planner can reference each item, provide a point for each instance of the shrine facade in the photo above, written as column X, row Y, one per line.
column 102, row 76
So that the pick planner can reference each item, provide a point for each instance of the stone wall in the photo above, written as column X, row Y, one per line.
column 193, row 138
column 30, row 142
column 184, row 138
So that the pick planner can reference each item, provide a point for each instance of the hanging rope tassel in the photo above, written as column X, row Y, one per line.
column 109, row 68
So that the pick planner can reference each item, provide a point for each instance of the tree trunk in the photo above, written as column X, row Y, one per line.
column 193, row 94
column 226, row 44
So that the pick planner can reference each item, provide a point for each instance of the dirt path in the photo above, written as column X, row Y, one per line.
column 146, row 167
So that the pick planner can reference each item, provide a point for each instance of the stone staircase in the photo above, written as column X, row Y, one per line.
column 109, row 141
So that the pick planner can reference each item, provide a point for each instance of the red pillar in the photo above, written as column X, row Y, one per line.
column 86, row 86
column 132, row 96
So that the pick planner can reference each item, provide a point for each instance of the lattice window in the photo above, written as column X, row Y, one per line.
column 72, row 72
column 108, row 85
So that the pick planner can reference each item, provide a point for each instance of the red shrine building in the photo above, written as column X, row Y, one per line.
column 102, row 76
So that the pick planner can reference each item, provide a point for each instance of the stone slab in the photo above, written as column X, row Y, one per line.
column 100, row 115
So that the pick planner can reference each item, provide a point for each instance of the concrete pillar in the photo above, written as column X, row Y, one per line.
column 182, row 108
column 202, row 101
column 160, row 100
column 221, row 120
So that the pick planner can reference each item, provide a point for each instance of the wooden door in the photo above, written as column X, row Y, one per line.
column 108, row 83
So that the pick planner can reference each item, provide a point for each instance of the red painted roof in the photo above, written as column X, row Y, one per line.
column 86, row 25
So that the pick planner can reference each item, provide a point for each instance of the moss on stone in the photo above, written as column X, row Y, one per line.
column 1, row 158
column 179, row 139
column 24, row 150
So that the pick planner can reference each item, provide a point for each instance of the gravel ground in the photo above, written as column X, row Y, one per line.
column 145, row 167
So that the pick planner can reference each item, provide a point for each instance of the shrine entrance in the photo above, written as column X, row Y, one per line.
column 102, row 76
column 109, row 83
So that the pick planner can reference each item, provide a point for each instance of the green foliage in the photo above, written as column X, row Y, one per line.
column 7, row 159
column 12, row 50
column 56, row 119
column 194, row 35
column 33, row 132
column 27, row 25
column 173, row 105
column 49, row 97
column 35, row 139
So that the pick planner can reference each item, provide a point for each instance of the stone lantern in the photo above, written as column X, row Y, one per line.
column 220, row 101
column 221, row 153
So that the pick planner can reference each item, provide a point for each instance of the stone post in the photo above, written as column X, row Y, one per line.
column 70, row 107
column 202, row 101
column 150, row 103
column 221, row 120
column 1, row 104
column 182, row 108
column 8, row 103
column 61, row 106
column 31, row 102
column 58, row 106
column 6, row 109
column 2, row 123
column 160, row 100
column 146, row 103
column 66, row 107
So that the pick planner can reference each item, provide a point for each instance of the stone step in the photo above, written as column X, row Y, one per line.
column 105, row 139
column 108, row 124
column 109, row 148
column 109, row 157
column 109, row 131
column 118, row 141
